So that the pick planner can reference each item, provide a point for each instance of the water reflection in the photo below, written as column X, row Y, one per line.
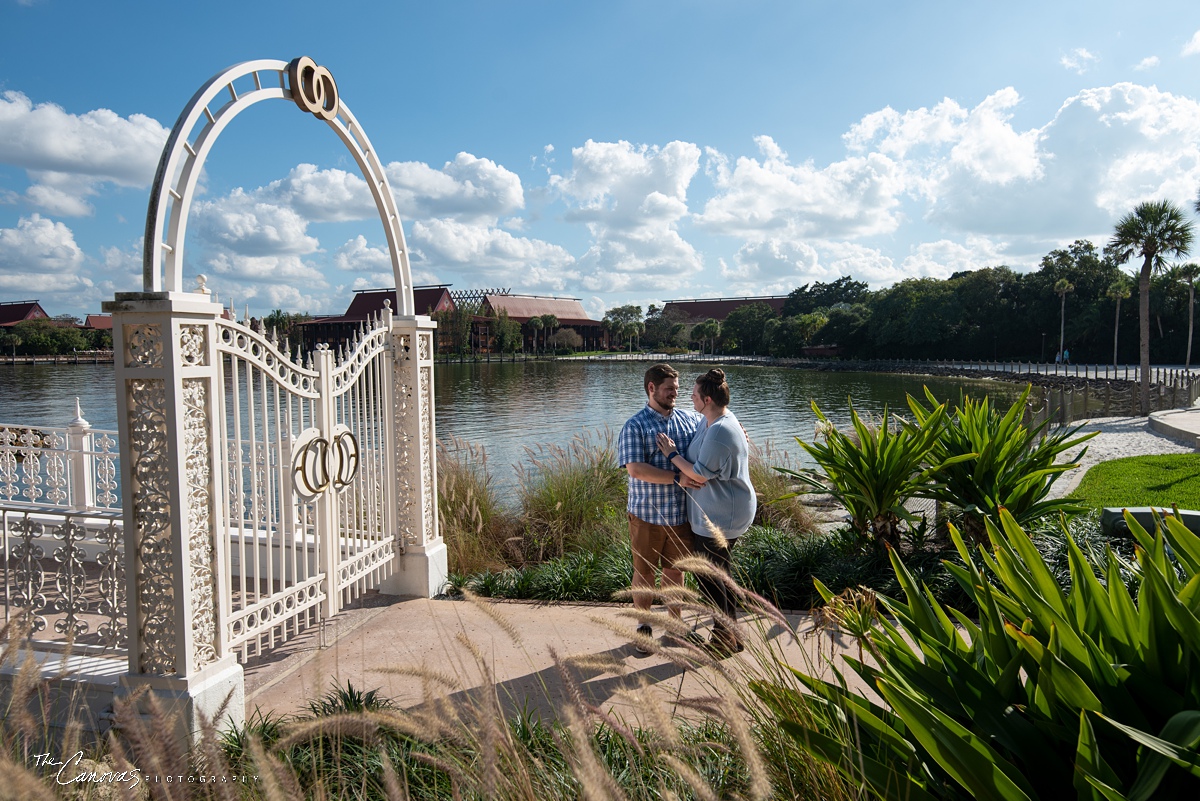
column 507, row 407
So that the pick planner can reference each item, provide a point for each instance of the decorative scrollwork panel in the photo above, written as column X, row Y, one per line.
column 147, row 404
column 198, row 471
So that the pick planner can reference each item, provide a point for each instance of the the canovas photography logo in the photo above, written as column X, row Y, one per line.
column 78, row 770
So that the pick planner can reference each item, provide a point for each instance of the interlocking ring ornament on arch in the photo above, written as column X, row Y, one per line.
column 319, row 464
column 312, row 88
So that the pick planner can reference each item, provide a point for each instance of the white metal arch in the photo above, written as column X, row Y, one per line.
column 184, row 154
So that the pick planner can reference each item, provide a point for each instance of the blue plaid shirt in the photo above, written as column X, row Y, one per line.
column 658, row 504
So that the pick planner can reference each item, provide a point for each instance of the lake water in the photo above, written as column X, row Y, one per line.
column 508, row 407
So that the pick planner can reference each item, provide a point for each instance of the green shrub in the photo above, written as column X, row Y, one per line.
column 1091, row 693
column 875, row 470
column 1006, row 464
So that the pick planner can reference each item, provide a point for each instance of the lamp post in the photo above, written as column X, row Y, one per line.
column 1043, row 347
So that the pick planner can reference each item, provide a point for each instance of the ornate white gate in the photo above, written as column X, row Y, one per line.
column 260, row 493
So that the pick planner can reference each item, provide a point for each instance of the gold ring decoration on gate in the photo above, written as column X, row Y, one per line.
column 313, row 88
column 319, row 463
column 343, row 457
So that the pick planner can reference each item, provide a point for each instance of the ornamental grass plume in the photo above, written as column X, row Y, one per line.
column 480, row 534
column 572, row 497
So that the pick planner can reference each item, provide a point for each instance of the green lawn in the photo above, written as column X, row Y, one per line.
column 1143, row 481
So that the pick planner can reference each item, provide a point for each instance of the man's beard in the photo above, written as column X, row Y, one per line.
column 665, row 401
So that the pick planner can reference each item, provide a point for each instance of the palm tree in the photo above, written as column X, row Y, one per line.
column 535, row 325
column 1154, row 230
column 1062, row 288
column 1189, row 272
column 1118, row 290
column 551, row 323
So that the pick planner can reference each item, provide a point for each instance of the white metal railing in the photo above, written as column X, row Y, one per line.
column 64, row 579
column 75, row 467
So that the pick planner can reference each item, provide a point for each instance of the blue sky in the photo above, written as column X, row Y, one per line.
column 616, row 152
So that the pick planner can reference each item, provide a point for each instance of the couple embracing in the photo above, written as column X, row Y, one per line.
column 689, row 493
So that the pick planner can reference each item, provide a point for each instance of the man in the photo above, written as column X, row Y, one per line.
column 658, row 524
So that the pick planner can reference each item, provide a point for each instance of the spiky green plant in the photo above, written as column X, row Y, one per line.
column 874, row 471
column 1009, row 464
column 1088, row 693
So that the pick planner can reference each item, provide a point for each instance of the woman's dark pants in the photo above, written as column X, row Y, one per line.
column 717, row 592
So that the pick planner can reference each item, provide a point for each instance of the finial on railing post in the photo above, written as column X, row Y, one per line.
column 201, row 285
column 82, row 482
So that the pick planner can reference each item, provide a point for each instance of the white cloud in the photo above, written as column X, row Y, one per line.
column 774, row 266
column 489, row 254
column 853, row 197
column 68, row 155
column 1106, row 150
column 943, row 258
column 469, row 189
column 40, row 257
column 632, row 199
column 1078, row 60
column 244, row 225
column 1147, row 63
column 1193, row 45
column 39, row 245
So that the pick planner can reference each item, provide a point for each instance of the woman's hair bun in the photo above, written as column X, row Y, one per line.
column 716, row 375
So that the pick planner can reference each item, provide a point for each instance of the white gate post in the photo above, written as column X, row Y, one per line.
column 166, row 369
column 422, row 568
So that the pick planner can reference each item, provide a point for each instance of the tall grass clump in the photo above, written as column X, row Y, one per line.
column 477, row 529
column 779, row 506
column 572, row 497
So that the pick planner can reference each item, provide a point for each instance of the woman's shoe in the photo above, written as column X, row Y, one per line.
column 647, row 632
column 723, row 644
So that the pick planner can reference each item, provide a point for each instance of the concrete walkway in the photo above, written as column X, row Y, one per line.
column 415, row 650
column 1178, row 424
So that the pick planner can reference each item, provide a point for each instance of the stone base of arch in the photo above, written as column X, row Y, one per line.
column 216, row 693
column 421, row 572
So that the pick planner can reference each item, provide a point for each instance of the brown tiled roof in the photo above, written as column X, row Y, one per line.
column 20, row 310
column 367, row 302
column 700, row 309
column 521, row 308
column 100, row 322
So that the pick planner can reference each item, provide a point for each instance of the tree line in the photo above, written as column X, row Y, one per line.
column 1073, row 306
column 990, row 313
column 57, row 336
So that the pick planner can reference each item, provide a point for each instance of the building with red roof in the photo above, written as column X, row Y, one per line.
column 698, row 310
column 18, row 311
column 340, row 328
column 523, row 308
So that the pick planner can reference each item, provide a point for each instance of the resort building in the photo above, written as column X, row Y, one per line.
column 337, row 329
column 18, row 311
column 522, row 309
column 697, row 310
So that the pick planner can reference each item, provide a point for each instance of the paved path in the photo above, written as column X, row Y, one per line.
column 1178, row 424
column 391, row 645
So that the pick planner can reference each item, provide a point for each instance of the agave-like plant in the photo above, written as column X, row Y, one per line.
column 1013, row 466
column 873, row 472
column 1090, row 692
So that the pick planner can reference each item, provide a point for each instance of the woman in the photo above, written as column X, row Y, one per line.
column 722, row 508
